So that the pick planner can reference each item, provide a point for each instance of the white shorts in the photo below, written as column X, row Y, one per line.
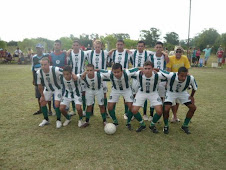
column 57, row 95
column 181, row 97
column 105, row 87
column 220, row 60
column 115, row 94
column 90, row 95
column 153, row 97
column 135, row 86
column 66, row 101
column 162, row 89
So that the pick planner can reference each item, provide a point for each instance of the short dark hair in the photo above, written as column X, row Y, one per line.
column 45, row 59
column 76, row 41
column 116, row 66
column 139, row 42
column 120, row 41
column 90, row 65
column 68, row 68
column 57, row 41
column 159, row 42
column 149, row 63
column 182, row 70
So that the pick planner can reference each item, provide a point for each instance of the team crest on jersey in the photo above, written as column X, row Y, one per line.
column 159, row 99
column 105, row 88
column 80, row 99
column 131, row 97
column 158, row 63
column 134, row 101
column 110, row 97
column 58, row 61
column 102, row 100
column 59, row 95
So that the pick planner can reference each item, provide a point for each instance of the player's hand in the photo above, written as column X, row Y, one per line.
column 192, row 99
column 74, row 76
column 164, row 53
column 128, row 51
column 33, row 82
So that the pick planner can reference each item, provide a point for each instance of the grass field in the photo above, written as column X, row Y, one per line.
column 24, row 145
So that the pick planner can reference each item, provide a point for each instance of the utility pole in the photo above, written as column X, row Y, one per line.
column 189, row 30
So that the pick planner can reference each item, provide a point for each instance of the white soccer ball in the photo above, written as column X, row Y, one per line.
column 110, row 128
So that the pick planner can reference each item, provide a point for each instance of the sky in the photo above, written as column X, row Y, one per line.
column 53, row 19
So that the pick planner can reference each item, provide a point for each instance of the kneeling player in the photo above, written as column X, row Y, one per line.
column 177, row 90
column 72, row 93
column 148, row 82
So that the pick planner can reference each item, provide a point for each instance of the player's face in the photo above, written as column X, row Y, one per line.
column 119, row 45
column 178, row 53
column 45, row 66
column 90, row 71
column 117, row 73
column 182, row 76
column 140, row 47
column 39, row 50
column 158, row 48
column 67, row 75
column 147, row 70
column 97, row 48
column 76, row 46
column 57, row 46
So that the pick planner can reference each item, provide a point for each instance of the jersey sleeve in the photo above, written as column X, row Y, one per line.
column 161, row 77
column 193, row 83
column 132, row 72
column 186, row 63
column 166, row 74
column 105, row 73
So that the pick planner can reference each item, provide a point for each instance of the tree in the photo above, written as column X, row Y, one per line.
column 150, row 37
column 121, row 36
column 110, row 40
column 3, row 44
column 172, row 38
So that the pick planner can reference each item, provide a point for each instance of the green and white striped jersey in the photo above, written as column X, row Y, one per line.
column 51, row 81
column 174, row 85
column 99, row 60
column 148, row 84
column 71, row 87
column 77, row 61
column 140, row 58
column 122, row 58
column 94, row 83
column 159, row 62
column 124, row 82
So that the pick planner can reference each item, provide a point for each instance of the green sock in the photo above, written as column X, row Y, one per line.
column 126, row 109
column 58, row 114
column 186, row 121
column 166, row 122
column 145, row 107
column 155, row 119
column 73, row 106
column 139, row 118
column 88, row 115
column 105, row 103
column 45, row 112
column 152, row 111
column 112, row 114
column 114, row 107
column 83, row 103
column 68, row 117
column 129, row 115
column 80, row 117
column 103, row 116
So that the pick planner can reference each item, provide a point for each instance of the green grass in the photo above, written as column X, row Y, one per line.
column 24, row 145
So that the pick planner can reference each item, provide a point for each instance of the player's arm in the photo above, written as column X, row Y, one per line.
column 166, row 57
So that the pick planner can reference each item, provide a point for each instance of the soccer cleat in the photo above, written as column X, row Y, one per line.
column 50, row 113
column 80, row 123
column 58, row 124
column 125, row 117
column 66, row 122
column 150, row 119
column 129, row 126
column 166, row 129
column 72, row 113
column 185, row 129
column 85, row 124
column 141, row 128
column 153, row 129
column 145, row 117
column 43, row 123
column 175, row 120
column 38, row 112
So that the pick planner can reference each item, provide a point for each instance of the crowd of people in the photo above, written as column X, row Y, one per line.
column 75, row 77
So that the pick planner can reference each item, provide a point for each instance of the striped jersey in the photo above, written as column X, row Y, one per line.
column 140, row 58
column 174, row 85
column 122, row 58
column 58, row 59
column 77, row 61
column 124, row 82
column 72, row 88
column 51, row 80
column 99, row 60
column 159, row 62
column 36, row 61
column 148, row 84
column 94, row 83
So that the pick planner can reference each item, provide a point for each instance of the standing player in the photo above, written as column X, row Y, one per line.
column 207, row 51
column 94, row 87
column 177, row 90
column 35, row 67
column 48, row 80
column 72, row 93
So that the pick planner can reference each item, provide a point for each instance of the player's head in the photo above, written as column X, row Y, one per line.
column 178, row 51
column 45, row 64
column 140, row 46
column 97, row 46
column 159, row 46
column 57, row 45
column 148, row 67
column 182, row 73
column 76, row 45
column 90, row 70
column 67, row 72
column 117, row 70
column 39, row 49
column 120, row 45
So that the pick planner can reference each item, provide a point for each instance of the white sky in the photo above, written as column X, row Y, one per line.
column 53, row 19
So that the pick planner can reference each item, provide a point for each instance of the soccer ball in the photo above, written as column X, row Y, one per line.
column 110, row 128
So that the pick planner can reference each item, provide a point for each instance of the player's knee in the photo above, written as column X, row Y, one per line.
column 134, row 110
column 193, row 108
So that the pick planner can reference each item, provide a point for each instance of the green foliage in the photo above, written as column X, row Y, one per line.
column 130, row 44
column 150, row 37
column 172, row 38
column 3, row 44
column 66, row 43
column 121, row 36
